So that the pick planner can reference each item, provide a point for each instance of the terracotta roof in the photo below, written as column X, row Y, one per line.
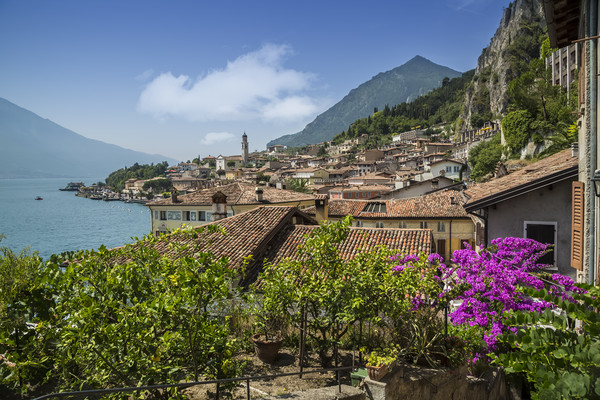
column 237, row 193
column 361, row 188
column 274, row 233
column 441, row 204
column 544, row 172
column 413, row 241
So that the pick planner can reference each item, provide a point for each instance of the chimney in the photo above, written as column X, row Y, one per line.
column 500, row 170
column 321, row 207
column 219, row 206
column 575, row 149
column 174, row 195
column 259, row 194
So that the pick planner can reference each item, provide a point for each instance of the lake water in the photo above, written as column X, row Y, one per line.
column 62, row 221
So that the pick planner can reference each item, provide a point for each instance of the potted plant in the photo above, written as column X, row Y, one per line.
column 380, row 362
column 268, row 323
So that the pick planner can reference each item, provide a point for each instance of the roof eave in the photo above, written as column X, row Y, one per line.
column 568, row 173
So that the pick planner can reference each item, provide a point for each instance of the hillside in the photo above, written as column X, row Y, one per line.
column 402, row 84
column 34, row 147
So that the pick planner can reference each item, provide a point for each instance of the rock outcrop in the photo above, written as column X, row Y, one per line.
column 511, row 49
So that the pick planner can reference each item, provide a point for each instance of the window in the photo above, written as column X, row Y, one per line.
column 543, row 232
column 403, row 225
column 359, row 224
column 209, row 216
column 448, row 169
column 441, row 226
column 424, row 225
column 201, row 215
column 577, row 225
column 174, row 215
column 155, row 214
column 193, row 215
column 375, row 208
column 163, row 215
column 186, row 216
column 456, row 168
column 378, row 224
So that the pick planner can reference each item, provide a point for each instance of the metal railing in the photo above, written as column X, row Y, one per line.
column 184, row 385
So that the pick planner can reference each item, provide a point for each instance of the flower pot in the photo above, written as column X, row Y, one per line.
column 267, row 350
column 377, row 373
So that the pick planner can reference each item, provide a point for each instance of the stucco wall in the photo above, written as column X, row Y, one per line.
column 549, row 204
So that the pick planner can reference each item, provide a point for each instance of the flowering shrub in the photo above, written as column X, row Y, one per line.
column 491, row 282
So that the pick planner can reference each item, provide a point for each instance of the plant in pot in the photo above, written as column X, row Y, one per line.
column 269, row 321
column 381, row 361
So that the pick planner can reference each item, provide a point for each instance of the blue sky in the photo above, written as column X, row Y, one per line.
column 187, row 78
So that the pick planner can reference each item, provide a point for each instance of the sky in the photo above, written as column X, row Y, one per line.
column 185, row 78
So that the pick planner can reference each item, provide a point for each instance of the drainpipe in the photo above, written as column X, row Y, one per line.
column 450, row 242
column 593, row 141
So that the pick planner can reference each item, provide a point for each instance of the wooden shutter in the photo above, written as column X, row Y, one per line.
column 577, row 226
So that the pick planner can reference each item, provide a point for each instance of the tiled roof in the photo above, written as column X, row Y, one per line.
column 441, row 204
column 412, row 241
column 274, row 233
column 542, row 172
column 237, row 193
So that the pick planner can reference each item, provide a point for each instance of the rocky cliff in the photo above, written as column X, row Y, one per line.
column 512, row 47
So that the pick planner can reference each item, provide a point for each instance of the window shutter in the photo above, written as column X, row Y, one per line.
column 577, row 226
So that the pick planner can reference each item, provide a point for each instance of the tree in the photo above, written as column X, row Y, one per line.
column 131, row 316
column 231, row 164
column 484, row 157
column 299, row 185
column 158, row 185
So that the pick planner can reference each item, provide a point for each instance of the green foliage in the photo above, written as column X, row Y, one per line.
column 131, row 317
column 299, row 185
column 158, row 185
column 440, row 105
column 25, row 298
column 116, row 180
column 484, row 157
column 558, row 361
column 517, row 127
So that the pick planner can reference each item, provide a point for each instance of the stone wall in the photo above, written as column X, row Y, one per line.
column 415, row 383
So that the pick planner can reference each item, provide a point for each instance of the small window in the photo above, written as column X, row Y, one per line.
column 379, row 224
column 403, row 225
column 193, row 215
column 359, row 224
column 174, row 215
column 163, row 215
column 186, row 216
column 155, row 214
column 441, row 226
column 375, row 208
column 209, row 216
column 456, row 169
column 424, row 225
column 201, row 215
column 448, row 169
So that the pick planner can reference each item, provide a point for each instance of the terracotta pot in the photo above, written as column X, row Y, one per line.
column 267, row 350
column 376, row 373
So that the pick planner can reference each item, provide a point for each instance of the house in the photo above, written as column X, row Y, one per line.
column 234, row 174
column 441, row 212
column 381, row 178
column 533, row 202
column 568, row 22
column 314, row 175
column 411, row 188
column 270, row 234
column 224, row 163
column 448, row 168
column 371, row 155
column 276, row 148
column 364, row 192
column 197, row 208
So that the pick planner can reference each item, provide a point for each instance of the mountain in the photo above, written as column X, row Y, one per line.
column 402, row 84
column 34, row 147
column 513, row 46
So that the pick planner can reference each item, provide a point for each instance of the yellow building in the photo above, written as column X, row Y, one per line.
column 441, row 212
column 214, row 203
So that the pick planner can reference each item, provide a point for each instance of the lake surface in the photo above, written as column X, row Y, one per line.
column 62, row 221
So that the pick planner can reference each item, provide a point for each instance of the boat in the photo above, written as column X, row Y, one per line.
column 39, row 198
column 72, row 187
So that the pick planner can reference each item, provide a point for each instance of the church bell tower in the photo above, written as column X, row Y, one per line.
column 244, row 149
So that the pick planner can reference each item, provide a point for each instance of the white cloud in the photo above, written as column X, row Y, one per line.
column 216, row 137
column 253, row 86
